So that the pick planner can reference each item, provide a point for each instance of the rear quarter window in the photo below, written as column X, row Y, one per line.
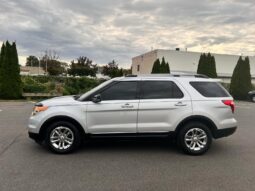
column 210, row 89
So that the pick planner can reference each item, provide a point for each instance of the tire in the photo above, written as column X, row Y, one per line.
column 62, row 137
column 253, row 98
column 195, row 138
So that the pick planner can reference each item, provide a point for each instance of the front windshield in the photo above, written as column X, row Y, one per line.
column 83, row 96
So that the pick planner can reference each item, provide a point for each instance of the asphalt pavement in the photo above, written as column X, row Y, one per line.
column 129, row 165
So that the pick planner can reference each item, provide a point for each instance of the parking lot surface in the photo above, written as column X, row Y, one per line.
column 128, row 165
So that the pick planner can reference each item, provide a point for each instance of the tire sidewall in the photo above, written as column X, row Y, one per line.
column 185, row 129
column 76, row 142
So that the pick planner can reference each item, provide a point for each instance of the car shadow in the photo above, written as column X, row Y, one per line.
column 130, row 145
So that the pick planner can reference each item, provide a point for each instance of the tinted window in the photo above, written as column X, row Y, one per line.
column 210, row 89
column 160, row 90
column 120, row 91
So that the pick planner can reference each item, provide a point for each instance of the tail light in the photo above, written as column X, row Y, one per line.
column 230, row 103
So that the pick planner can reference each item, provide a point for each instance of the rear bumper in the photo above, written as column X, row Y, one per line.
column 219, row 133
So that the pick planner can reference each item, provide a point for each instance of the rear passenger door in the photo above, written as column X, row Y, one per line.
column 162, row 104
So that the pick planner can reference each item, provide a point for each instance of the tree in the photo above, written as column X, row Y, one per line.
column 167, row 68
column 32, row 61
column 207, row 65
column 83, row 67
column 162, row 67
column 241, row 79
column 156, row 67
column 112, row 70
column 51, row 64
column 10, row 81
column 2, row 53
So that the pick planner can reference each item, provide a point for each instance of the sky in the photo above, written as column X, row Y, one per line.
column 103, row 30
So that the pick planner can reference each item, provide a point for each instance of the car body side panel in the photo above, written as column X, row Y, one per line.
column 118, row 116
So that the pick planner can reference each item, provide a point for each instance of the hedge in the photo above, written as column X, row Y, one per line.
column 64, row 85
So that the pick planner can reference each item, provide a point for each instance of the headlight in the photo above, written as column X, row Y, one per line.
column 39, row 108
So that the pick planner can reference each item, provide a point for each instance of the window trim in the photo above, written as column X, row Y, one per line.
column 169, row 81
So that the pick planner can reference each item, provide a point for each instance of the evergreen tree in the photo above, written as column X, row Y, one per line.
column 207, row 65
column 163, row 66
column 241, row 79
column 10, row 72
column 156, row 67
column 160, row 68
column 167, row 68
column 1, row 61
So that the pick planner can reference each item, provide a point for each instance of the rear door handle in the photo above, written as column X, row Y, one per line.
column 180, row 104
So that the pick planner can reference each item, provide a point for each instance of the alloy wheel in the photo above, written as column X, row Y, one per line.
column 62, row 138
column 195, row 139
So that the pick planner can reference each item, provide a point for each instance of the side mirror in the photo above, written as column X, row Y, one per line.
column 96, row 98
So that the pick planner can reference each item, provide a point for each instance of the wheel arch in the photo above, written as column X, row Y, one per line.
column 51, row 120
column 197, row 118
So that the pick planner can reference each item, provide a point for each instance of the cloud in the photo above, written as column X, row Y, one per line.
column 117, row 29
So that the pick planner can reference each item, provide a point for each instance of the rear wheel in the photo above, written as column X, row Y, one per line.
column 195, row 138
column 62, row 137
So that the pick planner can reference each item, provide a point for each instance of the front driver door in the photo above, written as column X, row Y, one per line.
column 117, row 111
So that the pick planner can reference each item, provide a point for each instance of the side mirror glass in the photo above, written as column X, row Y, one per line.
column 96, row 98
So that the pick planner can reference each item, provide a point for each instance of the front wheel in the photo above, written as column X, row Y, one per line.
column 195, row 138
column 62, row 137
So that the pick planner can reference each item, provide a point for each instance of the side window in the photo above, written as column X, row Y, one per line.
column 120, row 91
column 138, row 68
column 210, row 89
column 160, row 90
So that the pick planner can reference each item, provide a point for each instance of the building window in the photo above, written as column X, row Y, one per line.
column 138, row 68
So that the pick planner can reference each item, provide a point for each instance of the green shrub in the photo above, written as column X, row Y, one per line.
column 55, row 84
column 34, row 88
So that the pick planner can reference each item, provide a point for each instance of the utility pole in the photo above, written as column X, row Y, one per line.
column 39, row 66
column 46, row 64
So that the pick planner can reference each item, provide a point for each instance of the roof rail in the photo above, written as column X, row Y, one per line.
column 130, row 75
column 169, row 75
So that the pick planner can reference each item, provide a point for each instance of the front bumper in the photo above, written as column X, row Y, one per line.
column 35, row 136
column 219, row 133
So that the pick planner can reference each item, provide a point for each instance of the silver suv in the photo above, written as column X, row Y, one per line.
column 192, row 109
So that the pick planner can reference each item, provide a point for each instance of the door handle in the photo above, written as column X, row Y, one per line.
column 180, row 104
column 127, row 105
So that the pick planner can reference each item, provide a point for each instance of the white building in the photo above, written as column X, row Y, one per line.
column 31, row 71
column 184, row 61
